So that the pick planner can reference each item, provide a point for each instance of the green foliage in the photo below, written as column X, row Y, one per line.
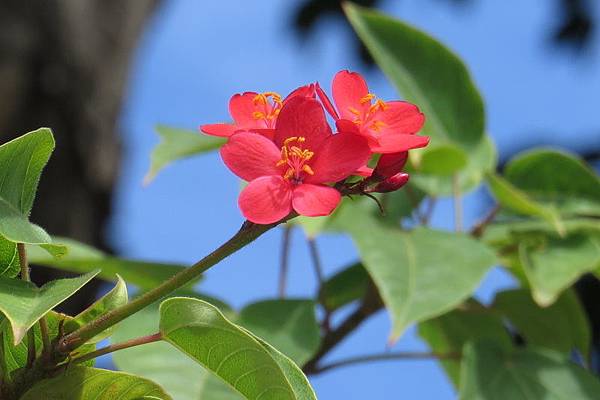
column 9, row 258
column 84, row 383
column 200, row 330
column 23, row 304
column 491, row 372
column 344, row 287
column 82, row 258
column 419, row 274
column 562, row 326
column 176, row 144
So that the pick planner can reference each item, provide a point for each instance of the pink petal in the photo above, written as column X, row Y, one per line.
column 266, row 200
column 339, row 157
column 315, row 200
column 348, row 88
column 223, row 130
column 302, row 116
column 400, row 117
column 392, row 143
column 364, row 171
column 344, row 125
column 242, row 107
column 251, row 155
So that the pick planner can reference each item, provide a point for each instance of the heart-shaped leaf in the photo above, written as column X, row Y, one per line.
column 23, row 304
column 9, row 258
column 248, row 364
column 85, row 383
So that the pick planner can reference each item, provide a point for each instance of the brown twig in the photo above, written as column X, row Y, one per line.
column 284, row 260
column 480, row 226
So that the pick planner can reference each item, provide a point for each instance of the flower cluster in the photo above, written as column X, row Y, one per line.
column 293, row 161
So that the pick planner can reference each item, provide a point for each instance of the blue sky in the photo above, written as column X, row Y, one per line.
column 195, row 55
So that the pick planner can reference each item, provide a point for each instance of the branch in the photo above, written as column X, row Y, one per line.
column 118, row 346
column 387, row 357
column 480, row 226
column 284, row 261
column 31, row 353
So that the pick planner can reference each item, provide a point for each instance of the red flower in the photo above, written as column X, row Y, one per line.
column 291, row 171
column 255, row 112
column 389, row 126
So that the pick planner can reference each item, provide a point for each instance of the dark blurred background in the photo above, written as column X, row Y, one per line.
column 101, row 73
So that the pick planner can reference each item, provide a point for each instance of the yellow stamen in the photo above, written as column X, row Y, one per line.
column 377, row 125
column 308, row 170
column 295, row 158
column 367, row 98
column 354, row 111
column 258, row 115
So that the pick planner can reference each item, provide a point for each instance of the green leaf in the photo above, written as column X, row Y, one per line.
column 344, row 287
column 82, row 258
column 419, row 274
column 449, row 332
column 492, row 373
column 180, row 376
column 84, row 383
column 116, row 297
column 21, row 164
column 289, row 325
column 556, row 177
column 482, row 159
column 518, row 201
column 563, row 326
column 248, row 364
column 426, row 73
column 176, row 144
column 9, row 258
column 443, row 160
column 553, row 265
column 17, row 355
column 23, row 304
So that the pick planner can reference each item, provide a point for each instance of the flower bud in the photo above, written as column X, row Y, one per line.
column 392, row 183
column 390, row 164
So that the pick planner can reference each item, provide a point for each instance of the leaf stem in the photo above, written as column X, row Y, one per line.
column 118, row 346
column 284, row 260
column 387, row 357
column 247, row 234
column 479, row 228
column 458, row 213
column 31, row 353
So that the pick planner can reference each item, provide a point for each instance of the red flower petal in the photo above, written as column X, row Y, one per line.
column 223, row 130
column 302, row 91
column 326, row 102
column 344, row 125
column 400, row 117
column 348, row 88
column 302, row 116
column 364, row 171
column 266, row 200
column 391, row 143
column 251, row 155
column 315, row 200
column 339, row 157
column 390, row 164
column 242, row 107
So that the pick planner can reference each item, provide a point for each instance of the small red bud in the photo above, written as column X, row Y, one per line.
column 392, row 183
column 390, row 164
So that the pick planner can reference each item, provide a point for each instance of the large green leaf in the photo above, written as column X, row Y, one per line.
column 176, row 144
column 419, row 274
column 23, row 304
column 346, row 286
column 554, row 264
column 449, row 333
column 557, row 177
column 17, row 355
column 519, row 202
column 248, row 364
column 490, row 372
column 84, row 383
column 82, row 258
column 9, row 258
column 563, row 326
column 288, row 325
column 426, row 73
column 21, row 164
column 116, row 297
column 180, row 376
